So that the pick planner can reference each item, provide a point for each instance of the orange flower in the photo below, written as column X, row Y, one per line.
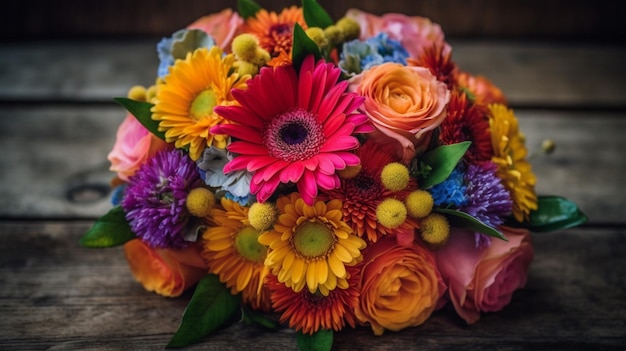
column 405, row 103
column 400, row 286
column 275, row 32
column 484, row 91
column 167, row 272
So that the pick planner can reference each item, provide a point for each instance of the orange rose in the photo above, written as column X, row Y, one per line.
column 404, row 103
column 165, row 271
column 400, row 286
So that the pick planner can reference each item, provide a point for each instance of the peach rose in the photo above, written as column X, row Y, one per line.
column 167, row 272
column 414, row 33
column 404, row 103
column 484, row 280
column 133, row 146
column 482, row 88
column 221, row 26
column 400, row 286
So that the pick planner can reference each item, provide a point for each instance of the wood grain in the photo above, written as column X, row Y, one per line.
column 56, row 295
column 530, row 74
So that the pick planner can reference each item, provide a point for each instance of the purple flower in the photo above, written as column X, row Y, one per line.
column 487, row 199
column 154, row 201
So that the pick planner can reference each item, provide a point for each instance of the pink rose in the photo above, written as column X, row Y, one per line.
column 484, row 280
column 404, row 103
column 167, row 272
column 221, row 26
column 133, row 145
column 400, row 286
column 414, row 33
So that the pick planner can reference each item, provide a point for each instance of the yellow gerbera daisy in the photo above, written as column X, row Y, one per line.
column 311, row 245
column 510, row 156
column 186, row 97
column 232, row 251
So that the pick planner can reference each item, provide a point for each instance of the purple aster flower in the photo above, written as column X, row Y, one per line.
column 155, row 198
column 487, row 199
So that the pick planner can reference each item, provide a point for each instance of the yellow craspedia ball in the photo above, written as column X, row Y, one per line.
column 349, row 27
column 200, row 201
column 245, row 46
column 349, row 172
column 435, row 229
column 262, row 215
column 419, row 203
column 247, row 68
column 317, row 35
column 395, row 176
column 391, row 213
column 137, row 92
column 334, row 35
column 261, row 57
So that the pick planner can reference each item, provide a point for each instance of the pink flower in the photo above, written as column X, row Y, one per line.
column 414, row 33
column 167, row 272
column 403, row 102
column 484, row 280
column 221, row 26
column 133, row 146
column 293, row 128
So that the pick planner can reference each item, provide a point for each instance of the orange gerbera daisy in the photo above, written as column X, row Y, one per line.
column 232, row 251
column 275, row 32
column 309, row 312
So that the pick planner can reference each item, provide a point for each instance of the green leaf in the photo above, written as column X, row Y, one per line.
column 247, row 8
column 141, row 111
column 315, row 15
column 320, row 341
column 302, row 47
column 463, row 220
column 210, row 307
column 250, row 316
column 110, row 230
column 442, row 161
column 553, row 213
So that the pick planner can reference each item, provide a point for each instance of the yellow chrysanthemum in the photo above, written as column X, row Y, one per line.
column 510, row 156
column 232, row 251
column 311, row 245
column 186, row 98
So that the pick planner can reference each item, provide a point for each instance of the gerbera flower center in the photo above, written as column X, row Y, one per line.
column 203, row 104
column 294, row 135
column 364, row 187
column 313, row 239
column 248, row 246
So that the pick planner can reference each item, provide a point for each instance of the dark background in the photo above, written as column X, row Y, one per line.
column 575, row 20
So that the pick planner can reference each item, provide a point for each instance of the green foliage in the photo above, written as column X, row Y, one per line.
column 141, row 111
column 247, row 8
column 441, row 161
column 320, row 341
column 110, row 230
column 553, row 213
column 465, row 221
column 210, row 307
column 302, row 47
column 315, row 15
column 250, row 316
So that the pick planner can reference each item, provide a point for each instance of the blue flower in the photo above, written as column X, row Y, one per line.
column 211, row 167
column 178, row 45
column 358, row 56
column 451, row 192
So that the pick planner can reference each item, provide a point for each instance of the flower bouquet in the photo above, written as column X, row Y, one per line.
column 320, row 175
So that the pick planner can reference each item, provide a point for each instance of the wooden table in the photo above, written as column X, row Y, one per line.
column 58, row 122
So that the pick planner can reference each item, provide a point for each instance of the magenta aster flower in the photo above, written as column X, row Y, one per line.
column 294, row 128
column 154, row 201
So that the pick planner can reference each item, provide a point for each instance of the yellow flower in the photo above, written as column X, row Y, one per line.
column 186, row 98
column 232, row 251
column 510, row 156
column 311, row 245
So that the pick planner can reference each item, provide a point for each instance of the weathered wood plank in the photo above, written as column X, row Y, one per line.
column 56, row 295
column 51, row 150
column 530, row 74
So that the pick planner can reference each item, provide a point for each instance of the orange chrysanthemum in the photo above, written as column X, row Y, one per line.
column 275, row 32
column 309, row 312
column 232, row 251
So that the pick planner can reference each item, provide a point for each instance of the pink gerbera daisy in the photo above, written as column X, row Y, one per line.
column 294, row 128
